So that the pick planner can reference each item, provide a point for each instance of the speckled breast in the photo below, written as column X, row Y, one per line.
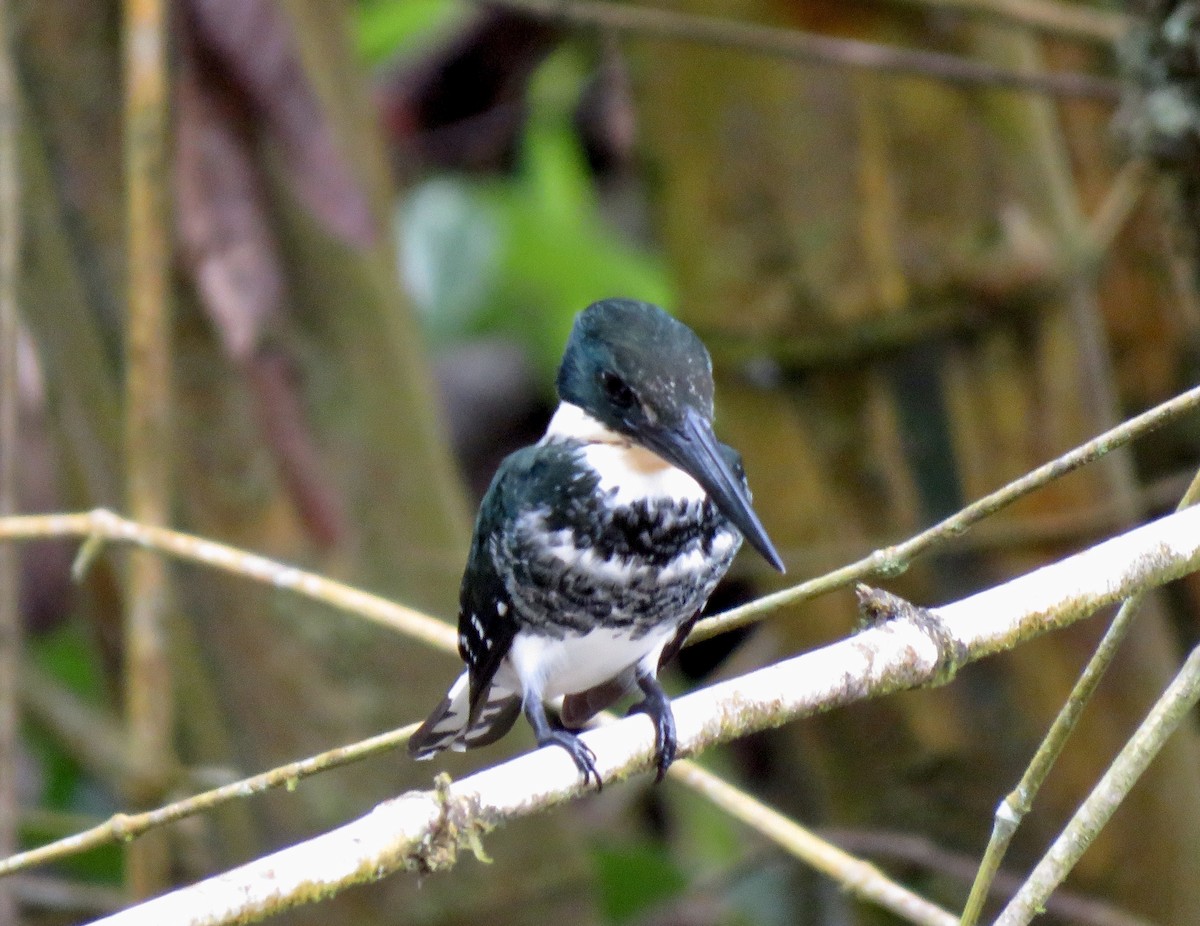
column 640, row 566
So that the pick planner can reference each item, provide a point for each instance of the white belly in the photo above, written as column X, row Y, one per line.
column 551, row 668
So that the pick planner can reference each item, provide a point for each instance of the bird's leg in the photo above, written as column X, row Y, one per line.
column 657, row 706
column 584, row 758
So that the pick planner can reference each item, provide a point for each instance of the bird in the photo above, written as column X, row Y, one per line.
column 596, row 548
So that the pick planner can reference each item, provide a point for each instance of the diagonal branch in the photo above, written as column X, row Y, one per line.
column 125, row 826
column 1172, row 709
column 809, row 48
column 895, row 559
column 1019, row 802
column 1052, row 17
column 101, row 526
column 424, row 831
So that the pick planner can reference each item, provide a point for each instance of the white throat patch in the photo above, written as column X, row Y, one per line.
column 634, row 472
column 570, row 422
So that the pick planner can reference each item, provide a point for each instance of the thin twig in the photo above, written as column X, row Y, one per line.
column 910, row 849
column 99, row 526
column 1172, row 709
column 10, row 613
column 895, row 559
column 425, row 831
column 809, row 48
column 1017, row 804
column 1063, row 20
column 129, row 826
column 102, row 526
column 860, row 878
column 148, row 690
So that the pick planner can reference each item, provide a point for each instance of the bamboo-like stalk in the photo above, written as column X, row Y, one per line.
column 10, row 617
column 147, row 410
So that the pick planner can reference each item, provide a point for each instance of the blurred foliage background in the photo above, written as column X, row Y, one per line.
column 386, row 215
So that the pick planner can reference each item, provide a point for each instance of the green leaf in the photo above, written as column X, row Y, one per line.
column 386, row 28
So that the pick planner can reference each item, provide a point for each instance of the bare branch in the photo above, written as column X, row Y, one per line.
column 424, row 831
column 1019, row 801
column 895, row 559
column 129, row 826
column 859, row 878
column 910, row 849
column 809, row 48
column 1063, row 20
column 101, row 526
column 1114, row 785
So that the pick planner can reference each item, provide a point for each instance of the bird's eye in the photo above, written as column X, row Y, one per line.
column 617, row 390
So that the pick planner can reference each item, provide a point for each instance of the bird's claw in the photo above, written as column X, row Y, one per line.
column 665, row 745
column 580, row 753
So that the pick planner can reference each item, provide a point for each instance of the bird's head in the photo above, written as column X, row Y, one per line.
column 647, row 376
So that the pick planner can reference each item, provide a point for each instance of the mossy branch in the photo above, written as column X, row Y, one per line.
column 424, row 831
column 895, row 559
column 101, row 526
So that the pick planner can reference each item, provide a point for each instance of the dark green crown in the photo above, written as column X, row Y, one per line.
column 631, row 365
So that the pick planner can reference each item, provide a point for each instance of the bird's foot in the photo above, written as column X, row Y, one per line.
column 580, row 753
column 658, row 709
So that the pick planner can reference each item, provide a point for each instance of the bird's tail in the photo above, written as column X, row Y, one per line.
column 447, row 728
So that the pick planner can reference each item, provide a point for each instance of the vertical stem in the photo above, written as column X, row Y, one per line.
column 147, row 415
column 10, row 618
column 1171, row 710
column 1017, row 804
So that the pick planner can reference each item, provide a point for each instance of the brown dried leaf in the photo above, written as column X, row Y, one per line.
column 227, row 244
column 221, row 217
column 251, row 42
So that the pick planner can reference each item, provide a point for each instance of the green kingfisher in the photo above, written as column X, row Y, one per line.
column 596, row 548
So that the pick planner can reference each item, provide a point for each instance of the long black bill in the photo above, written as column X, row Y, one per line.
column 693, row 448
